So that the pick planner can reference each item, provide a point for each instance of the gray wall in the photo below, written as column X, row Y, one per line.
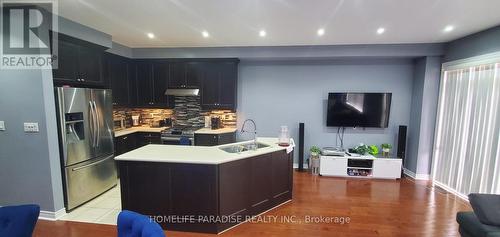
column 415, row 114
column 293, row 52
column 487, row 41
column 423, row 114
column 82, row 32
column 286, row 93
column 121, row 50
column 29, row 163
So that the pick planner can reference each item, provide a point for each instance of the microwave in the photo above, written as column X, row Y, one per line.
column 118, row 124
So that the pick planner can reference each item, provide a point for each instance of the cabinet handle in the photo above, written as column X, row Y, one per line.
column 125, row 138
column 78, row 79
column 83, row 79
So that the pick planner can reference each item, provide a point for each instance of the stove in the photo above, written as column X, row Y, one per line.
column 173, row 136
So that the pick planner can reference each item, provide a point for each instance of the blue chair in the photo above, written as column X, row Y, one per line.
column 185, row 141
column 131, row 224
column 18, row 221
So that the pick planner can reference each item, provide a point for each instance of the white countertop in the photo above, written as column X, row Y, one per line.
column 215, row 131
column 127, row 131
column 196, row 154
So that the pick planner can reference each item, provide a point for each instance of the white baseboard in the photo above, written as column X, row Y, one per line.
column 52, row 216
column 450, row 190
column 414, row 176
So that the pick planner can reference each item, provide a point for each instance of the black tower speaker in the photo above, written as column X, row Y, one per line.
column 401, row 152
column 301, row 147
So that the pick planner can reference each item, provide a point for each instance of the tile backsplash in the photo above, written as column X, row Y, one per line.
column 147, row 116
column 187, row 112
column 227, row 116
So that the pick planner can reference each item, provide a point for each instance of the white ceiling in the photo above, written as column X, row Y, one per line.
column 179, row 23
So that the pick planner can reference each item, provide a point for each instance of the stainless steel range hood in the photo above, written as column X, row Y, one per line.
column 183, row 92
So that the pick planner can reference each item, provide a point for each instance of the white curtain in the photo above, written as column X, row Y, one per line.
column 466, row 150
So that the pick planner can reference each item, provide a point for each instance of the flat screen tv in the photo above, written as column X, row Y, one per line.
column 370, row 110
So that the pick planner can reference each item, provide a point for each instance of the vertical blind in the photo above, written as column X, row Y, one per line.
column 466, row 155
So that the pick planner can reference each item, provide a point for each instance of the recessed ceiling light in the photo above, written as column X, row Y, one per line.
column 448, row 28
column 205, row 34
column 321, row 32
column 380, row 30
column 262, row 33
column 151, row 35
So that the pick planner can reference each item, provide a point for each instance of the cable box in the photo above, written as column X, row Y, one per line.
column 332, row 151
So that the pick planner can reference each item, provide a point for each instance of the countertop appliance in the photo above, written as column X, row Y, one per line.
column 118, row 124
column 173, row 136
column 157, row 123
column 128, row 121
column 215, row 122
column 85, row 122
column 135, row 120
column 207, row 121
column 168, row 122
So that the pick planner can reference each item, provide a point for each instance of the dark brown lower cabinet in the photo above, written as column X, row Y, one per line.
column 125, row 143
column 214, row 139
column 206, row 198
column 145, row 138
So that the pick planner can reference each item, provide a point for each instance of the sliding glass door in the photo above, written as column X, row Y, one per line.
column 466, row 151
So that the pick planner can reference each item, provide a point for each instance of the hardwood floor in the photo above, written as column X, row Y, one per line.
column 375, row 208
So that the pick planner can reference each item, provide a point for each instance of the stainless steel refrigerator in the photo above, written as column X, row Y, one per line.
column 86, row 143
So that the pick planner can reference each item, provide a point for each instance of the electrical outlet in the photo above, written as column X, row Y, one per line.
column 31, row 127
column 2, row 125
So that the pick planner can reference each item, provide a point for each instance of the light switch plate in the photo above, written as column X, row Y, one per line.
column 31, row 127
column 2, row 125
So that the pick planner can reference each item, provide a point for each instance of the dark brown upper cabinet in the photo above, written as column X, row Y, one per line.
column 161, row 77
column 119, row 74
column 151, row 79
column 79, row 63
column 185, row 74
column 219, row 85
column 142, row 82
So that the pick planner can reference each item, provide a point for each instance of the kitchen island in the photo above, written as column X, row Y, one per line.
column 205, row 189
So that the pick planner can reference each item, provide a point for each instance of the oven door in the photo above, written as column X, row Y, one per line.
column 175, row 141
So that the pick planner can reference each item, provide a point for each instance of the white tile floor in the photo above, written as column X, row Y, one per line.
column 102, row 210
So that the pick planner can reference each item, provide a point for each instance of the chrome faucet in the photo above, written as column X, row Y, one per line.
column 254, row 130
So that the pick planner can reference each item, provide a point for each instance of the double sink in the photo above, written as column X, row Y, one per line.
column 242, row 147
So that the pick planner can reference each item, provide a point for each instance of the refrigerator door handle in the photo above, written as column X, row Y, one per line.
column 92, row 128
column 98, row 133
column 95, row 125
column 92, row 164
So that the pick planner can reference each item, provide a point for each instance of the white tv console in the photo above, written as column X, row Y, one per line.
column 360, row 167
